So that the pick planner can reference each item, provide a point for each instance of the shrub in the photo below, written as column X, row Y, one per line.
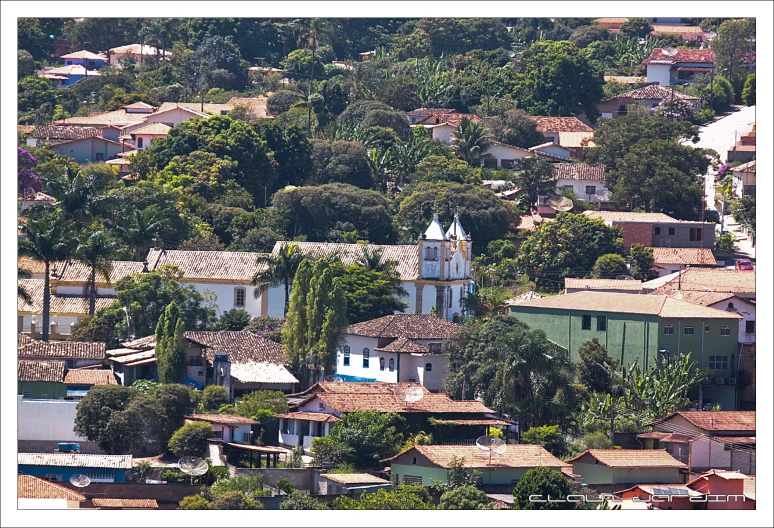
column 191, row 439
column 213, row 397
column 194, row 502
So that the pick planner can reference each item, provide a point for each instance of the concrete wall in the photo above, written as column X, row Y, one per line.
column 579, row 188
column 747, row 311
column 658, row 73
column 225, row 297
column 86, row 150
column 163, row 493
column 302, row 478
column 51, row 420
column 601, row 474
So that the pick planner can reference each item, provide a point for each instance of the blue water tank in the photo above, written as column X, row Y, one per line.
column 63, row 447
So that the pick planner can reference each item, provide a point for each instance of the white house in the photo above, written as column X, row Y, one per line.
column 669, row 66
column 227, row 427
column 744, row 180
column 135, row 52
column 395, row 348
column 586, row 181
column 143, row 136
column 552, row 151
column 727, row 302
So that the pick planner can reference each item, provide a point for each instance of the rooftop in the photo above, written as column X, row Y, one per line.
column 627, row 216
column 632, row 303
column 65, row 132
column 524, row 297
column 745, row 167
column 406, row 326
column 241, row 347
column 354, row 478
column 136, row 49
column 561, row 124
column 707, row 279
column 28, row 370
column 90, row 377
column 75, row 460
column 515, row 456
column 131, row 504
column 310, row 416
column 84, row 54
column 157, row 129
column 702, row 298
column 209, row 108
column 30, row 487
column 603, row 284
column 403, row 345
column 256, row 105
column 74, row 271
column 630, row 458
column 29, row 348
column 578, row 171
column 705, row 56
column 656, row 91
column 719, row 420
column 227, row 419
column 209, row 265
column 687, row 256
column 117, row 117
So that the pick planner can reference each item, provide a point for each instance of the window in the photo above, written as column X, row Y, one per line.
column 99, row 156
column 669, row 330
column 139, row 142
column 239, row 297
column 321, row 406
column 431, row 253
column 412, row 479
column 601, row 323
column 218, row 434
column 44, row 396
column 725, row 330
column 622, row 109
column 54, row 478
column 671, row 231
column 69, row 62
column 506, row 163
column 695, row 234
column 435, row 348
column 346, row 356
column 428, row 367
column 749, row 327
column 102, row 476
column 706, row 328
column 586, row 322
column 381, row 363
column 591, row 189
column 688, row 330
column 366, row 357
column 656, row 230
column 490, row 162
column 200, row 373
column 718, row 362
column 392, row 365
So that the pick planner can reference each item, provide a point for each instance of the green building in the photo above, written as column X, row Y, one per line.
column 640, row 327
column 51, row 380
column 610, row 470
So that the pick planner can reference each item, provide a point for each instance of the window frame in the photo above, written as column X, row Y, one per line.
column 237, row 292
column 601, row 323
column 718, row 363
column 428, row 367
column 381, row 364
column 593, row 189
column 747, row 327
column 412, row 479
column 670, row 328
column 686, row 329
column 391, row 365
column 366, row 358
column 671, row 231
column 726, row 329
column 345, row 361
column 585, row 322
column 657, row 230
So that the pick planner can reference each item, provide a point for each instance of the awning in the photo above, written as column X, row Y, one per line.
column 694, row 69
column 259, row 449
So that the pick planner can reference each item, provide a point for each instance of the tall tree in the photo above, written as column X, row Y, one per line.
column 104, row 416
column 136, row 229
column 280, row 270
column 171, row 345
column 595, row 366
column 470, row 140
column 734, row 49
column 95, row 250
column 46, row 241
column 636, row 28
column 516, row 128
column 26, row 179
column 294, row 331
column 535, row 177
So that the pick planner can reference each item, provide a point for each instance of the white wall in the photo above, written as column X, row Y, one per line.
column 579, row 188
column 557, row 150
column 65, row 323
column 747, row 311
column 225, row 297
column 62, row 289
column 443, row 133
column 504, row 152
column 433, row 380
column 356, row 345
column 51, row 420
column 658, row 73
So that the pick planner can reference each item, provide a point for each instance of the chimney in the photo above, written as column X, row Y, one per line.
column 144, row 266
column 159, row 243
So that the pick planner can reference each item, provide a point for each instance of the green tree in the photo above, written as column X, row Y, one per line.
column 326, row 316
column 734, row 49
column 280, row 270
column 235, row 319
column 585, row 35
column 642, row 261
column 103, row 416
column 516, row 128
column 248, row 485
column 406, row 497
column 235, row 500
column 194, row 502
column 543, row 482
column 136, row 228
column 26, row 64
column 96, row 251
column 36, row 98
column 636, row 28
column 595, row 366
column 725, row 241
column 300, row 500
column 458, row 476
column 548, row 436
column 748, row 93
column 444, row 169
column 164, row 409
column 191, row 439
column 470, row 140
column 465, row 498
column 567, row 247
column 536, row 177
column 213, row 397
column 171, row 345
column 367, row 436
column 401, row 92
column 341, row 162
column 283, row 100
column 609, row 266
column 33, row 38
column 46, row 241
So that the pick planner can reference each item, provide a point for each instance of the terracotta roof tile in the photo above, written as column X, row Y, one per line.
column 669, row 437
column 655, row 91
column 745, row 167
column 354, row 478
column 403, row 345
column 447, row 118
column 701, row 298
column 116, row 117
column 136, row 49
column 516, row 456
column 74, row 271
column 561, row 124
column 576, row 139
column 257, row 105
column 719, row 420
column 311, row 416
column 626, row 458
column 145, row 504
column 28, row 370
column 60, row 304
column 688, row 256
column 75, row 460
column 627, row 216
column 228, row 419
column 90, row 377
column 157, row 129
column 751, row 440
column 30, row 487
column 706, row 56
column 530, row 222
column 217, row 265
column 241, row 347
column 407, row 326
column 209, row 108
column 708, row 279
column 62, row 349
column 65, row 132
column 428, row 111
column 603, row 284
column 33, row 266
column 578, row 171
column 261, row 372
column 140, row 105
column 84, row 54
column 407, row 257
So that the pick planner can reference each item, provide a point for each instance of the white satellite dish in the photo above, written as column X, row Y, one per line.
column 491, row 445
column 410, row 392
column 80, row 481
column 560, row 203
column 329, row 378
column 193, row 466
column 669, row 52
column 337, row 379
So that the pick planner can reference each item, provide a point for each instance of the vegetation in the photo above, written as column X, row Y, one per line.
column 171, row 346
column 406, row 497
column 544, row 482
column 191, row 439
column 362, row 438
column 465, row 498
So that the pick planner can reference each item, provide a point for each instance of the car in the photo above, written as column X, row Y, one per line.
column 744, row 264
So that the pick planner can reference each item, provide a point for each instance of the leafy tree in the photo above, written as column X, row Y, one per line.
column 536, row 177
column 465, row 498
column 194, row 502
column 725, row 241
column 291, row 151
column 636, row 28
column 548, row 436
column 105, row 326
column 508, row 366
column 748, row 93
column 285, row 485
column 597, row 440
column 300, row 62
column 191, row 439
column 557, row 79
column 280, row 270
column 171, row 346
column 400, row 92
column 516, row 128
column 103, row 416
column 163, row 408
column 202, row 243
column 46, row 241
column 371, row 292
column 33, row 38
column 268, row 327
column 443, row 169
column 391, row 119
column 716, row 92
column 252, row 403
column 734, row 49
column 248, row 485
column 541, row 481
column 213, row 397
column 406, row 497
column 412, row 151
column 282, row 101
column 585, row 35
column 744, row 213
column 567, row 247
column 595, row 366
column 341, row 162
column 26, row 179
column 458, row 476
column 609, row 266
column 96, row 251
column 470, row 140
column 642, row 261
column 300, row 500
column 357, row 111
column 36, row 98
column 221, row 64
column 136, row 229
column 235, row 500
column 236, row 319
column 367, row 436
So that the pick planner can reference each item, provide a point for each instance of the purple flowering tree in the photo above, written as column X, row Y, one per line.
column 27, row 180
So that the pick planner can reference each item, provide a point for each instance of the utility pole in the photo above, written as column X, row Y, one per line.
column 311, row 84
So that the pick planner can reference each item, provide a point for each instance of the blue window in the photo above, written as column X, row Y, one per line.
column 366, row 357
column 392, row 365
column 346, row 356
column 381, row 363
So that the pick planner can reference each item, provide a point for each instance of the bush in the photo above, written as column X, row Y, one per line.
column 725, row 242
column 235, row 500
column 213, row 397
column 194, row 502
column 541, row 481
column 285, row 485
column 236, row 319
column 465, row 498
column 300, row 500
column 548, row 436
column 251, row 485
column 191, row 439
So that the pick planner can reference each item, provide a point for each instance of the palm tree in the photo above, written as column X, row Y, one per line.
column 280, row 270
column 95, row 250
column 408, row 154
column 137, row 229
column 77, row 193
column 317, row 30
column 22, row 291
column 371, row 260
column 470, row 139
column 381, row 161
column 46, row 242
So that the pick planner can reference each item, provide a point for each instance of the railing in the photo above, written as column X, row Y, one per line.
column 469, row 441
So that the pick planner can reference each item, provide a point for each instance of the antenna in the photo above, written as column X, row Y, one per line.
column 193, row 466
column 80, row 481
column 409, row 393
column 669, row 52
column 491, row 445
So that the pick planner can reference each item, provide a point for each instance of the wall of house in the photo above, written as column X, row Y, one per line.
column 46, row 420
column 86, row 150
column 68, row 289
column 658, row 73
column 433, row 380
column 293, row 436
column 682, row 236
column 42, row 389
column 556, row 150
column 610, row 108
column 146, row 140
column 734, row 487
column 742, row 180
column 118, row 475
column 747, row 311
column 503, row 152
column 443, row 133
column 226, row 296
column 579, row 188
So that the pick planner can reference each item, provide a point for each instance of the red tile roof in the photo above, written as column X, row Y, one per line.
column 60, row 304
column 84, row 54
column 32, row 348
column 132, row 504
column 687, row 256
column 209, row 265
column 719, row 420
column 603, row 284
column 578, row 171
column 705, row 56
column 65, row 132
column 515, row 456
column 354, row 478
column 655, row 91
column 116, row 117
column 241, row 347
column 627, row 458
column 561, row 124
column 74, row 271
column 669, row 437
column 407, row 326
column 90, row 377
column 628, row 216
column 708, row 279
column 256, row 105
column 702, row 298
column 40, row 370
column 30, row 487
column 227, row 419
column 447, row 118
column 311, row 416
column 403, row 345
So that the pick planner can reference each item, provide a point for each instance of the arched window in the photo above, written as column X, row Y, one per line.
column 428, row 367
column 346, row 356
column 381, row 363
column 139, row 142
column 392, row 365
column 366, row 357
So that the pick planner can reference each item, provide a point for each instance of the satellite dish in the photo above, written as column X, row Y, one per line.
column 669, row 52
column 329, row 378
column 491, row 445
column 410, row 392
column 80, row 481
column 194, row 466
column 560, row 203
column 337, row 379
